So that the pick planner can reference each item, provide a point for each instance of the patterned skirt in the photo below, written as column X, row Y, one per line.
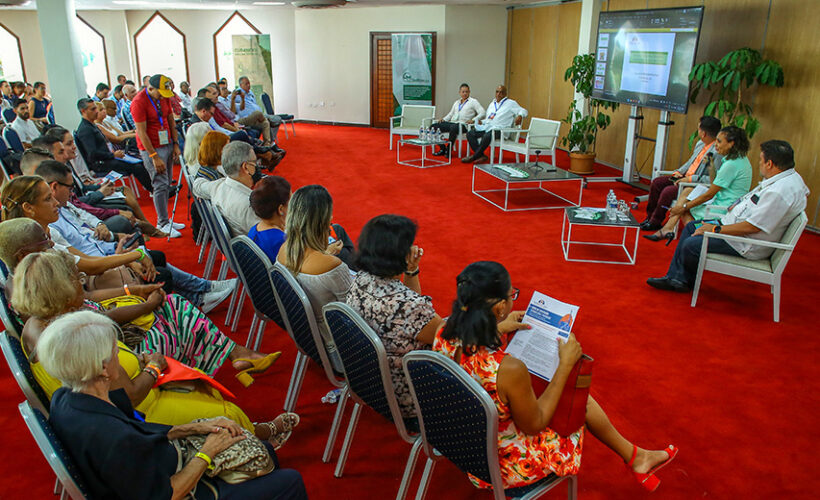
column 185, row 333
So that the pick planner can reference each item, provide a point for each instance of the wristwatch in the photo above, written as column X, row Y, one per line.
column 717, row 229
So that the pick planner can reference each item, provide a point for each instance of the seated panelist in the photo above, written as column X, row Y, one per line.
column 502, row 113
column 465, row 111
column 764, row 213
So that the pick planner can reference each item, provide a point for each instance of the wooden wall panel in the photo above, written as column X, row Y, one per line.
column 569, row 18
column 542, row 61
column 520, row 49
column 792, row 113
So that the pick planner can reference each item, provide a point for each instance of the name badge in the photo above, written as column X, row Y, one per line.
column 162, row 135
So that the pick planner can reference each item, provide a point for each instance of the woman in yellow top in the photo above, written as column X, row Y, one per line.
column 165, row 405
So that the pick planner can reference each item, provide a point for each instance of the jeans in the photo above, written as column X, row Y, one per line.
column 684, row 265
column 189, row 286
column 160, row 182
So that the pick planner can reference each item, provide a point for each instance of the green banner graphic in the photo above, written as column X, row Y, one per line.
column 412, row 69
column 251, row 58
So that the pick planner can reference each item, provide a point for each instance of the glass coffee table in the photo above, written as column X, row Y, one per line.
column 596, row 217
column 425, row 161
column 520, row 191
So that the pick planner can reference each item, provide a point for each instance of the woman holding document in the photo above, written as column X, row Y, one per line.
column 528, row 450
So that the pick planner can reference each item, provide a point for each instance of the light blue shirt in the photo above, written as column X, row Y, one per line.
column 250, row 105
column 80, row 235
column 215, row 126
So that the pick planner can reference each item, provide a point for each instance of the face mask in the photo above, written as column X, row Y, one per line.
column 257, row 175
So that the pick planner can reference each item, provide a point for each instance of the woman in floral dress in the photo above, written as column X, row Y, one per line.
column 528, row 450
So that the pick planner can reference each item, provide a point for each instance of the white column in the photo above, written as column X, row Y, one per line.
column 63, row 59
column 586, row 35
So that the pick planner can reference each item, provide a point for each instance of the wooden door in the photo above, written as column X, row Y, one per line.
column 381, row 80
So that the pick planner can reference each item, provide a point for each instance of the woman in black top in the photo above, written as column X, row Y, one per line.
column 119, row 456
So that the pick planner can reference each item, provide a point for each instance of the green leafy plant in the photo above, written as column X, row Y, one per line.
column 585, row 122
column 730, row 80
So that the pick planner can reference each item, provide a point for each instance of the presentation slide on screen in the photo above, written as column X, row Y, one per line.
column 647, row 62
column 643, row 57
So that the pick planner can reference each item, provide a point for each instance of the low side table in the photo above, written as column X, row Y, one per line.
column 425, row 161
column 578, row 216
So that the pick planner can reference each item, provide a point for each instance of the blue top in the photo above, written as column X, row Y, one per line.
column 40, row 108
column 269, row 240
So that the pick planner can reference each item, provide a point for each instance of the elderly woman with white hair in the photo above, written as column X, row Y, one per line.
column 119, row 456
column 193, row 138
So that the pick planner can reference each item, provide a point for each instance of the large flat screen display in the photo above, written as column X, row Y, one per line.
column 643, row 57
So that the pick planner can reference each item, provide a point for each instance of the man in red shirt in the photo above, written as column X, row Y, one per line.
column 157, row 142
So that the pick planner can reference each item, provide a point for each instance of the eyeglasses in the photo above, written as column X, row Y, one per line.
column 515, row 293
column 69, row 186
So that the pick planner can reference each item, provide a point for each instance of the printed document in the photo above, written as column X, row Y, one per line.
column 538, row 348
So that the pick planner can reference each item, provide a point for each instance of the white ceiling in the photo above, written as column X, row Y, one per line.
column 249, row 4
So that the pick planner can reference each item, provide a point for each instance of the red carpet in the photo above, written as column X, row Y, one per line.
column 737, row 393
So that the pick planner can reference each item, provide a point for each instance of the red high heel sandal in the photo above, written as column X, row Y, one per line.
column 648, row 480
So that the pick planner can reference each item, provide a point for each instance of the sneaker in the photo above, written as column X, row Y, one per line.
column 178, row 225
column 218, row 286
column 213, row 298
column 167, row 229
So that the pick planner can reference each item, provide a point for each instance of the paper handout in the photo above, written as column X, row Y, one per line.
column 538, row 348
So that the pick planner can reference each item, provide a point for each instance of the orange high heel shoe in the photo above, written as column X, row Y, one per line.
column 648, row 480
column 257, row 366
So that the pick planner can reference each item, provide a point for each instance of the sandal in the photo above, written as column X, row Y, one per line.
column 648, row 479
column 281, row 428
column 257, row 366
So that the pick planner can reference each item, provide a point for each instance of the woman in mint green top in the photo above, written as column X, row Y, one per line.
column 733, row 180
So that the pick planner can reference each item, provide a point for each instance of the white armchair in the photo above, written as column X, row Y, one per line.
column 766, row 271
column 542, row 136
column 411, row 119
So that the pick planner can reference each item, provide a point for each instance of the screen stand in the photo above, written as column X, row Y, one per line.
column 661, row 143
column 635, row 116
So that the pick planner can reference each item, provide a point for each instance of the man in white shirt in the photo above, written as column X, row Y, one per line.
column 231, row 195
column 185, row 96
column 24, row 127
column 764, row 213
column 502, row 113
column 466, row 110
column 245, row 103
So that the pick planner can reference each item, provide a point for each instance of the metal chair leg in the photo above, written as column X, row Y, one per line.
column 572, row 487
column 259, row 333
column 251, row 331
column 337, row 423
column 58, row 487
column 425, row 479
column 236, row 289
column 408, row 469
column 238, row 310
column 223, row 270
column 295, row 382
column 351, row 429
column 209, row 264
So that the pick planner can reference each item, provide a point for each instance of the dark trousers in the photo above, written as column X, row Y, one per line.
column 684, row 265
column 125, row 168
column 662, row 194
column 480, row 140
column 281, row 484
column 119, row 224
column 450, row 128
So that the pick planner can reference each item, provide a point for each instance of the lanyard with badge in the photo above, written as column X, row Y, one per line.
column 497, row 106
column 162, row 133
column 460, row 105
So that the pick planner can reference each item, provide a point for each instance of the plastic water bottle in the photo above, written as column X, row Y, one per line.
column 611, row 205
column 421, row 133
column 332, row 396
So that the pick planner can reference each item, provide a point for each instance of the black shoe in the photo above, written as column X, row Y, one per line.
column 658, row 237
column 668, row 284
column 649, row 226
column 441, row 152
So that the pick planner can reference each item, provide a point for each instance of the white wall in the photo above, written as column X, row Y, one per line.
column 476, row 52
column 318, row 56
column 199, row 27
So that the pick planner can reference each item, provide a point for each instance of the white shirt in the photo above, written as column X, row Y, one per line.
column 770, row 207
column 470, row 110
column 501, row 114
column 186, row 101
column 233, row 199
column 113, row 124
column 204, row 188
column 25, row 129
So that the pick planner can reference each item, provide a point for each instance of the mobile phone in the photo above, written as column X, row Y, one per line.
column 332, row 238
column 134, row 238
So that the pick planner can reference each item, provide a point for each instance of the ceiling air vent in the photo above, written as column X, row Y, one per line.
column 314, row 4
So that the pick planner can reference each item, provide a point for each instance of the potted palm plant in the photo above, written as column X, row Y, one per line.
column 584, row 120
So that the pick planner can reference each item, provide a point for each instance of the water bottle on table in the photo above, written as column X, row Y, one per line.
column 611, row 205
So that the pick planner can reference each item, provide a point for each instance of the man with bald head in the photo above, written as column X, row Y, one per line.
column 502, row 113
column 129, row 91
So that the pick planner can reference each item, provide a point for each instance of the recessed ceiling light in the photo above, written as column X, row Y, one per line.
column 269, row 3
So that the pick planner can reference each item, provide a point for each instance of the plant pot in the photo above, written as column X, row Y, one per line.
column 582, row 163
